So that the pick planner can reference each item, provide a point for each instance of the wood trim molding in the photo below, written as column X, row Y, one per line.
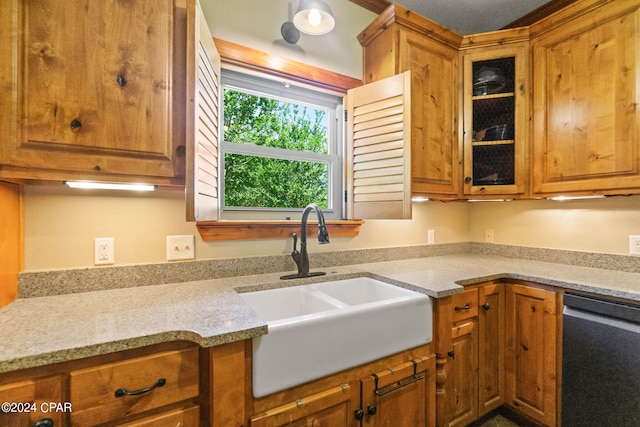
column 539, row 13
column 244, row 230
column 375, row 6
column 257, row 60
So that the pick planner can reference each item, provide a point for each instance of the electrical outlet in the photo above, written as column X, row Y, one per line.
column 431, row 237
column 488, row 235
column 634, row 245
column 180, row 247
column 103, row 251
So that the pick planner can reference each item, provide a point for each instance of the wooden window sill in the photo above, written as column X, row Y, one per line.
column 245, row 230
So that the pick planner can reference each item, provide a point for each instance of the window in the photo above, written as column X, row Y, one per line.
column 281, row 148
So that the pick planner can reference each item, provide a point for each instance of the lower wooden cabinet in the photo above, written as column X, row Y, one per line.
column 333, row 407
column 152, row 386
column 27, row 402
column 402, row 395
column 177, row 418
column 497, row 344
column 113, row 391
column 379, row 394
column 532, row 352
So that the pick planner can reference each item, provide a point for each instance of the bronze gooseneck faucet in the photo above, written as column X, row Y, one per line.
column 302, row 258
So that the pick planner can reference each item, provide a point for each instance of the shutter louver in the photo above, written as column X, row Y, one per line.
column 379, row 178
column 203, row 138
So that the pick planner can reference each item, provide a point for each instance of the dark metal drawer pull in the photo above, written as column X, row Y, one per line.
column 466, row 307
column 400, row 384
column 124, row 392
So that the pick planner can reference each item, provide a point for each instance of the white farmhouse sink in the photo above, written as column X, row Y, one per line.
column 316, row 330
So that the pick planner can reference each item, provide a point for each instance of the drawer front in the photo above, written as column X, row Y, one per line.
column 112, row 391
column 465, row 305
column 188, row 417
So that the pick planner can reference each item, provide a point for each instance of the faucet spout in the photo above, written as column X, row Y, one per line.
column 302, row 258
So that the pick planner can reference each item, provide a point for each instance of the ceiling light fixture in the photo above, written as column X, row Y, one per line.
column 89, row 185
column 314, row 17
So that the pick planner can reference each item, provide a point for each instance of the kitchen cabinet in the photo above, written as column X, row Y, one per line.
column 399, row 41
column 28, row 402
column 586, row 63
column 532, row 351
column 157, row 385
column 93, row 90
column 333, row 407
column 113, row 391
column 495, row 110
column 497, row 345
column 491, row 349
column 397, row 390
column 471, row 355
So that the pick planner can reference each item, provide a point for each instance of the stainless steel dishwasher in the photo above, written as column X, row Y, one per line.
column 600, row 362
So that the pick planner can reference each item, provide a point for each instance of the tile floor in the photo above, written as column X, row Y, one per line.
column 497, row 421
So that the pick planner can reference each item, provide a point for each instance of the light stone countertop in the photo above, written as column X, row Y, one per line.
column 43, row 330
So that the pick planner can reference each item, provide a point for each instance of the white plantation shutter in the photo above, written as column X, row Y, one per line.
column 203, row 95
column 379, row 149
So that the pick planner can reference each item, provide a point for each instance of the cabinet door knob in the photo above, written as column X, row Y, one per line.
column 451, row 354
column 45, row 422
column 486, row 306
column 122, row 81
column 371, row 409
column 75, row 124
column 358, row 414
column 468, row 179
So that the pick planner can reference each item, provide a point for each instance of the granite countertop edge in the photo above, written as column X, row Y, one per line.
column 51, row 329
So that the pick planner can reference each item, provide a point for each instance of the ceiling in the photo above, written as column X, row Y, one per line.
column 473, row 16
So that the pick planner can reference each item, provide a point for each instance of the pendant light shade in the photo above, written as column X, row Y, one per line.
column 314, row 17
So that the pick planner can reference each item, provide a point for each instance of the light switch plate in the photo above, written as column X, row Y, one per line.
column 634, row 245
column 180, row 247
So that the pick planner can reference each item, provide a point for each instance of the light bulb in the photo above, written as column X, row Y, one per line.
column 314, row 17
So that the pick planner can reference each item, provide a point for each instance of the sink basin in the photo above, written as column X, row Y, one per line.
column 319, row 329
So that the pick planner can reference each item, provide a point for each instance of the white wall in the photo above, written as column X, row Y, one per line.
column 599, row 225
column 256, row 24
column 61, row 223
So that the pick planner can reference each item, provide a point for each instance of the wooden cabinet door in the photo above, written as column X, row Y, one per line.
column 531, row 352
column 586, row 86
column 188, row 417
column 403, row 395
column 331, row 408
column 496, row 165
column 434, row 114
column 28, row 402
column 491, row 347
column 95, row 90
column 463, row 375
column 398, row 41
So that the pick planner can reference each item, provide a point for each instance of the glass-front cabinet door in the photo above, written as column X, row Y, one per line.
column 495, row 87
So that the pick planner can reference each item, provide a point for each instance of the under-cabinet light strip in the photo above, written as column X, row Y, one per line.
column 109, row 186
column 563, row 198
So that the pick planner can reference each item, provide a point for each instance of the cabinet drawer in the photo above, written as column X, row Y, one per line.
column 465, row 305
column 112, row 391
column 187, row 417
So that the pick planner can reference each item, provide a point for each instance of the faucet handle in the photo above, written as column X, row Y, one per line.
column 295, row 254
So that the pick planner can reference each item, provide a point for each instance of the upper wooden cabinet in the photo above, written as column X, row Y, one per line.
column 496, row 113
column 92, row 90
column 586, row 74
column 398, row 41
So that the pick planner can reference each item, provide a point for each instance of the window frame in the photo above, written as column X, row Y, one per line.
column 233, row 55
column 260, row 84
